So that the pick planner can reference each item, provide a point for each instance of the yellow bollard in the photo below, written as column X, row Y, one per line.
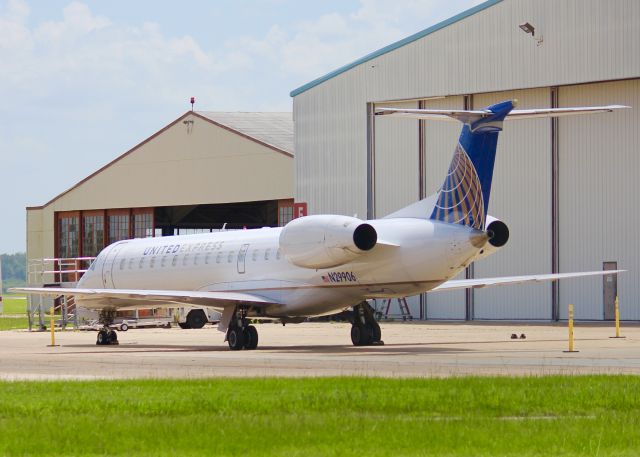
column 53, row 330
column 617, row 314
column 571, row 330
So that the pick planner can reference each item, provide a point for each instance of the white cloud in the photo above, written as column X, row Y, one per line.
column 315, row 47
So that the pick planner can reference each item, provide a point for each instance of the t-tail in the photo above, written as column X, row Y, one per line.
column 463, row 198
column 464, row 195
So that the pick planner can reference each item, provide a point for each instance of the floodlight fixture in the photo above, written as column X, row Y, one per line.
column 528, row 28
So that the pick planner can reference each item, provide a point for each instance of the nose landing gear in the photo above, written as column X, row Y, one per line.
column 107, row 336
column 365, row 331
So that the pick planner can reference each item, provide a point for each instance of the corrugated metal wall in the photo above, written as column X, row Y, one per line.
column 599, row 189
column 331, row 130
column 521, row 197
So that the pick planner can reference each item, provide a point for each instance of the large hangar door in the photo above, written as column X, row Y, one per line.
column 520, row 196
column 396, row 169
column 599, row 187
column 396, row 160
column 439, row 141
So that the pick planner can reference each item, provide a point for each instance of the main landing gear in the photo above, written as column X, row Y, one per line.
column 365, row 331
column 106, row 335
column 240, row 334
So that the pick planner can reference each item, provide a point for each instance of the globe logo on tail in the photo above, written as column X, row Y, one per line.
column 460, row 197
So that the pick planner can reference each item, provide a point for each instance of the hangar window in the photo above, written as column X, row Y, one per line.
column 118, row 227
column 92, row 234
column 143, row 225
column 68, row 237
column 267, row 253
column 174, row 262
column 285, row 215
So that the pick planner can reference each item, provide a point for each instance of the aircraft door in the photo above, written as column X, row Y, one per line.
column 108, row 265
column 242, row 256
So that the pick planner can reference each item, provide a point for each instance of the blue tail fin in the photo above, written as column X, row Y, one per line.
column 464, row 195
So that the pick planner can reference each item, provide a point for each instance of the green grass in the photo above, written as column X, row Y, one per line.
column 568, row 416
column 14, row 304
column 13, row 323
column 14, row 313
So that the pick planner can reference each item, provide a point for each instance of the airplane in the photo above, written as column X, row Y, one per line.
column 323, row 264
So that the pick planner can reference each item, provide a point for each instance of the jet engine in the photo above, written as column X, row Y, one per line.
column 326, row 241
column 498, row 236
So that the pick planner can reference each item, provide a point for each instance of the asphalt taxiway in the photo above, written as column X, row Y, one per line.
column 324, row 349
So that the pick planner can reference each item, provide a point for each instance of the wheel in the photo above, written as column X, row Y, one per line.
column 124, row 327
column 251, row 337
column 360, row 335
column 183, row 325
column 196, row 318
column 113, row 338
column 235, row 338
column 376, row 333
column 102, row 338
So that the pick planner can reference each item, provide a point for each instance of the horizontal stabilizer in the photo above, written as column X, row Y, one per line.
column 470, row 116
column 489, row 282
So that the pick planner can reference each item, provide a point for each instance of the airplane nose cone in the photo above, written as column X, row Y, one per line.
column 478, row 238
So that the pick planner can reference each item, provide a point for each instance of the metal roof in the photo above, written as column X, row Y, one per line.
column 396, row 45
column 274, row 129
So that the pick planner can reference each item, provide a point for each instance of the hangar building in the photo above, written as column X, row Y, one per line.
column 567, row 188
column 200, row 172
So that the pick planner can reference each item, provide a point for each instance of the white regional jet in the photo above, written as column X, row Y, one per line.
column 323, row 264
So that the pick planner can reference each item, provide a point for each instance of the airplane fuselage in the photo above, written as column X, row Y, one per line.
column 415, row 256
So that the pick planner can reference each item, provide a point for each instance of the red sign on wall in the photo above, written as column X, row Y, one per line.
column 299, row 209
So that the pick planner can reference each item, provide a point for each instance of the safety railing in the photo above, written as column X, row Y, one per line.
column 52, row 272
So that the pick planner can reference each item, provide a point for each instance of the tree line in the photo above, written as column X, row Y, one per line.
column 14, row 269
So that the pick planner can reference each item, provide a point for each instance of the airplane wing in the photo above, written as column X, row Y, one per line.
column 468, row 116
column 490, row 282
column 136, row 298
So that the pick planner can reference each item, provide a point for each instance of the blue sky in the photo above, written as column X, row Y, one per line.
column 83, row 81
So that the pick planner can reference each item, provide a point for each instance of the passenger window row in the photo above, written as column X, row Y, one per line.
column 197, row 259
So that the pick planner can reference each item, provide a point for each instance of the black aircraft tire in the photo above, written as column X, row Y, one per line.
column 251, row 338
column 113, row 338
column 360, row 335
column 102, row 338
column 235, row 338
column 376, row 333
column 196, row 318
column 183, row 325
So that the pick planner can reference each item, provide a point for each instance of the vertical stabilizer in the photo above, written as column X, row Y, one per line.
column 464, row 195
